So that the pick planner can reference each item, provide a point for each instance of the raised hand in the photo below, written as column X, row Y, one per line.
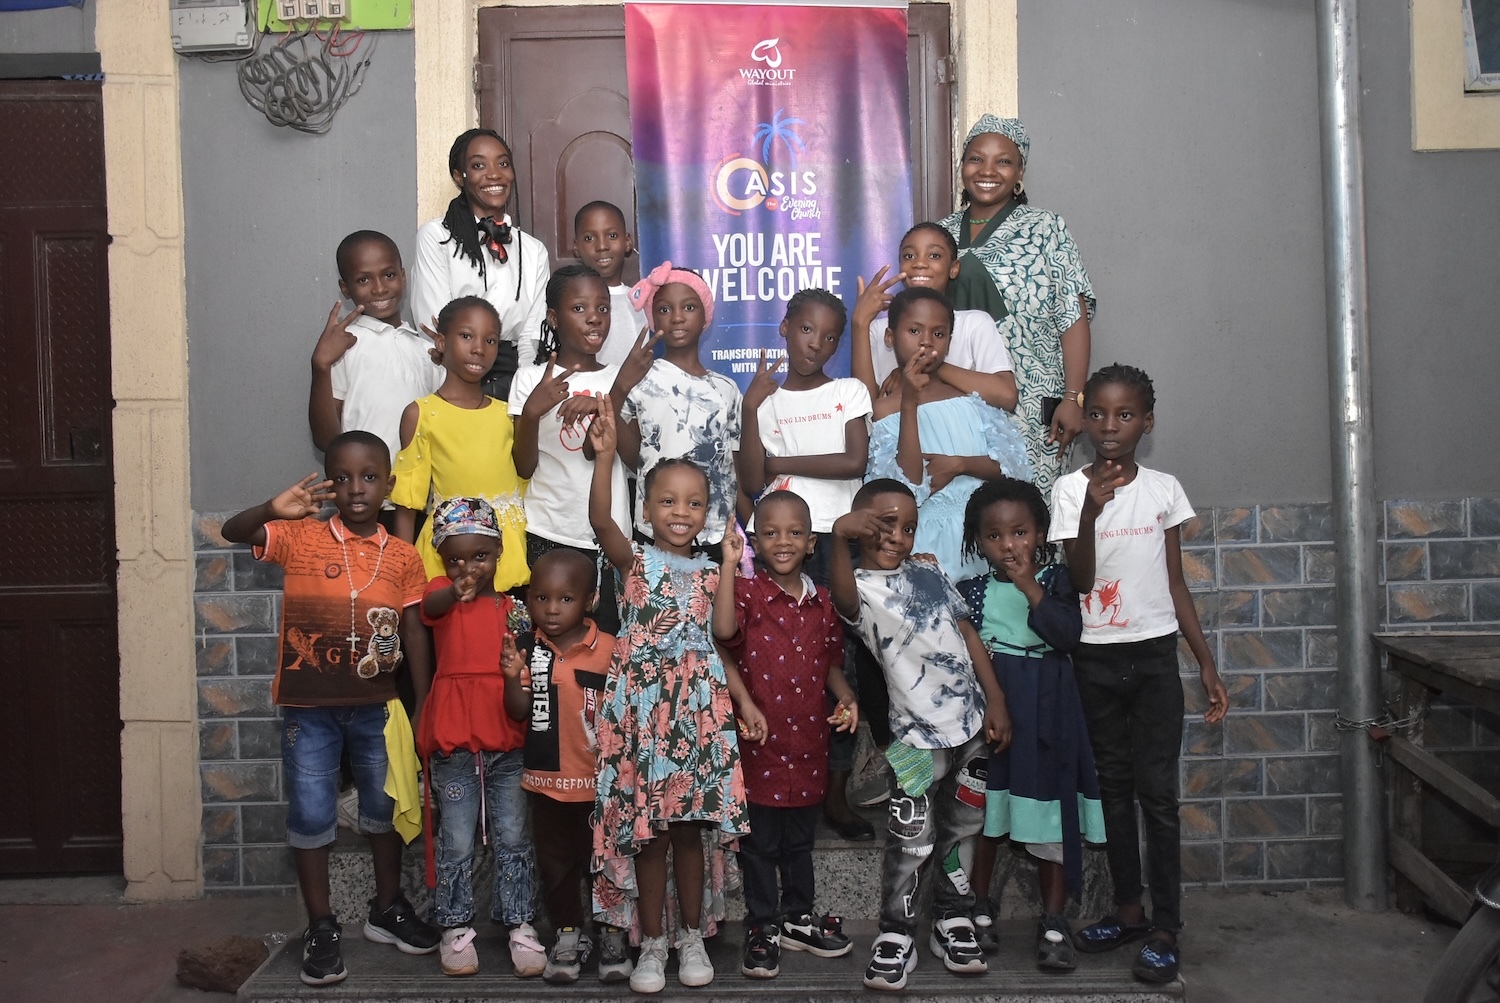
column 432, row 335
column 511, row 662
column 914, row 376
column 550, row 391
column 335, row 339
column 763, row 384
column 874, row 296
column 303, row 499
column 638, row 363
column 732, row 549
column 466, row 585
column 860, row 524
column 602, row 435
column 1105, row 477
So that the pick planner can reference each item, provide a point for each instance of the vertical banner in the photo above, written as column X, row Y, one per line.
column 772, row 154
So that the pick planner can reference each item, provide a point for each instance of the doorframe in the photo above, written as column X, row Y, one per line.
column 447, row 49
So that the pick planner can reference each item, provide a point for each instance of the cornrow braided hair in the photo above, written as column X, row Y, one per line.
column 1128, row 376
column 822, row 297
column 549, row 341
column 1003, row 489
column 452, row 308
column 940, row 230
column 463, row 229
column 668, row 464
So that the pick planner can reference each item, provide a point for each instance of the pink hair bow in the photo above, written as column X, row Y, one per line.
column 643, row 293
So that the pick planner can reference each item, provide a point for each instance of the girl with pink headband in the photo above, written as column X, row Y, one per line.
column 674, row 407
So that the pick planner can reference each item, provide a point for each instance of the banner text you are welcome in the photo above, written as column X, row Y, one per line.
column 748, row 271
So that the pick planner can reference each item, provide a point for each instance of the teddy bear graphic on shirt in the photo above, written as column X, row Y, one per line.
column 384, row 651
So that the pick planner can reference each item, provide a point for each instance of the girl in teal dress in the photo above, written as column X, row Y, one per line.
column 934, row 438
column 669, row 762
column 1020, row 264
column 1042, row 790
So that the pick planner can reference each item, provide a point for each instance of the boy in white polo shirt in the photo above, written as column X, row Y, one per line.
column 367, row 366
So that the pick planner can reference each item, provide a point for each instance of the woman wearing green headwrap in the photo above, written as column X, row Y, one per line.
column 1019, row 264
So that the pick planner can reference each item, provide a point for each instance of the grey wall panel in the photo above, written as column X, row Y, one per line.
column 56, row 29
column 266, row 207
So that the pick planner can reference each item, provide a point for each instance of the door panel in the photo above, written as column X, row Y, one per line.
column 59, row 660
column 570, row 132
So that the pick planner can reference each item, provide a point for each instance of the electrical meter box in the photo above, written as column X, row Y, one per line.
column 211, row 26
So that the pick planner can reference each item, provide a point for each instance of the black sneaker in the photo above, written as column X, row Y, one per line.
column 985, row 931
column 820, row 936
column 322, row 961
column 762, row 952
column 893, row 957
column 953, row 941
column 1054, row 945
column 399, row 925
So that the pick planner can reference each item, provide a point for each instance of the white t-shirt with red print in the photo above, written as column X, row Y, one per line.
column 814, row 423
column 1131, row 599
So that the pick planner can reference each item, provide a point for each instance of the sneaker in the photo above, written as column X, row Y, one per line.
column 820, row 936
column 693, row 967
column 1158, row 959
column 614, row 955
column 986, row 933
column 762, row 952
column 399, row 925
column 527, row 956
column 322, row 961
column 347, row 811
column 1054, row 945
column 650, row 975
column 873, row 787
column 568, row 955
column 893, row 958
column 457, row 953
column 953, row 941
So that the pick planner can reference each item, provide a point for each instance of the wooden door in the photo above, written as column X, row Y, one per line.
column 552, row 82
column 59, row 657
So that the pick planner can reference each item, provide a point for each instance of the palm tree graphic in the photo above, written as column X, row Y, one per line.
column 767, row 133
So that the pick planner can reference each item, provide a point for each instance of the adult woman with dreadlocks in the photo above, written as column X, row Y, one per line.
column 476, row 249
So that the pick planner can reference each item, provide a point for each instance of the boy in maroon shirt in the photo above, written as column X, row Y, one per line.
column 789, row 643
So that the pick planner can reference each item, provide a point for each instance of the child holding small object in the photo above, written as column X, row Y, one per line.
column 472, row 751
column 786, row 637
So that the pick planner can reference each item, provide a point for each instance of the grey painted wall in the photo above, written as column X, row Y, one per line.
column 1180, row 141
column 59, row 29
column 266, row 207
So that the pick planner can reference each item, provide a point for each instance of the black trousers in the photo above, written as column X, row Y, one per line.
column 780, row 841
column 564, row 841
column 1132, row 697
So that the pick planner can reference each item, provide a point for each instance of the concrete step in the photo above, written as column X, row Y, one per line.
column 848, row 875
column 379, row 974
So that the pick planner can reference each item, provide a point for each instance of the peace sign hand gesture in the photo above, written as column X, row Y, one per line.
column 874, row 296
column 638, row 363
column 335, row 339
column 549, row 392
column 763, row 384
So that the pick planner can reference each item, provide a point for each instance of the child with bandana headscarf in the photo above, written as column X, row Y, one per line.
column 470, row 747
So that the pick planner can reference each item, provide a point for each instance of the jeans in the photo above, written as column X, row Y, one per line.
column 937, row 827
column 456, row 789
column 1132, row 697
column 312, row 741
column 780, row 841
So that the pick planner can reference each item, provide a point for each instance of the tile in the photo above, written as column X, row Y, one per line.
column 1322, row 648
column 251, row 575
column 206, row 530
column 1265, row 733
column 1281, row 565
column 256, row 656
column 1198, row 568
column 1271, row 649
column 1302, row 774
column 260, row 739
column 1266, row 817
column 221, row 824
column 1296, row 523
column 267, row 865
column 234, row 697
column 1203, row 778
column 1201, row 863
column 1238, row 608
column 240, row 782
column 1234, row 525
column 1321, row 734
column 1450, row 559
column 1319, row 563
column 1202, row 819
column 1299, row 690
column 221, row 866
column 1187, row 664
column 1311, row 606
column 1484, row 516
column 216, row 740
column 253, row 613
column 1405, row 562
column 214, row 656
column 1423, row 519
column 1244, row 861
column 211, row 572
column 263, row 823
column 1428, row 603
column 1325, row 816
column 1305, row 858
column 1201, row 739
column 1486, row 601
column 1198, row 531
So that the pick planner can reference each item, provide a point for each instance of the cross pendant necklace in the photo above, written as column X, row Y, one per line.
column 353, row 637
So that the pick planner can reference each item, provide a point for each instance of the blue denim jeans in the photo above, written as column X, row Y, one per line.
column 459, row 783
column 312, row 740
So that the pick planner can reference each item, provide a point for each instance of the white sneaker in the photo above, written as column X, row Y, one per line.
column 457, row 951
column 954, row 942
column 693, row 966
column 892, row 958
column 650, row 975
column 527, row 955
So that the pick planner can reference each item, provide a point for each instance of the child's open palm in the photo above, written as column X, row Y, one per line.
column 303, row 499
column 845, row 716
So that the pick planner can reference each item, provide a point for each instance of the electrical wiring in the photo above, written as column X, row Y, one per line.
column 303, row 80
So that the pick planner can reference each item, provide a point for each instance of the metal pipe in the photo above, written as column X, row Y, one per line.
column 1354, row 512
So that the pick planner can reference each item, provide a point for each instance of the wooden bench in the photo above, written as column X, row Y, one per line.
column 1465, row 666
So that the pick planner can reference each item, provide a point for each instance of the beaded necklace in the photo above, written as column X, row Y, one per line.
column 354, row 593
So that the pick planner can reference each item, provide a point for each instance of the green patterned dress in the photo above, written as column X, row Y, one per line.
column 1034, row 277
